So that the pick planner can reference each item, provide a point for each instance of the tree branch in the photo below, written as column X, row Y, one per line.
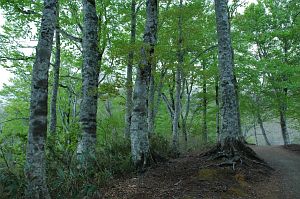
column 69, row 36
column 203, row 52
column 26, row 12
column 171, row 111
column 102, row 79
column 14, row 119
column 4, row 58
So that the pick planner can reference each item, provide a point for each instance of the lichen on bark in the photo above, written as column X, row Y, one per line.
column 140, row 149
column 35, row 166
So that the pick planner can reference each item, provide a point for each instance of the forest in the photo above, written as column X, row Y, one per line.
column 149, row 98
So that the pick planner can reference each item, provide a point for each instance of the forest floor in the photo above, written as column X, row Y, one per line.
column 192, row 176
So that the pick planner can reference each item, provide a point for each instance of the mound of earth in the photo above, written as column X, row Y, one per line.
column 191, row 176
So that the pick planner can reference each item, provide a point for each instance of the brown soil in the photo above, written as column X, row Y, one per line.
column 191, row 176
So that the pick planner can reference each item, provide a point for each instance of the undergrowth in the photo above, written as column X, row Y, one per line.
column 65, row 179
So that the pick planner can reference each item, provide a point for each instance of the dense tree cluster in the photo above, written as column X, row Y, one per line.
column 116, row 85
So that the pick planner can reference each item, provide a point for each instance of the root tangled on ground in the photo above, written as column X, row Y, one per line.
column 233, row 152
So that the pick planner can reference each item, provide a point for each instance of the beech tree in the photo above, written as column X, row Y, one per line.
column 140, row 148
column 129, row 83
column 266, row 34
column 230, row 131
column 90, row 75
column 53, row 105
column 35, row 169
column 178, row 80
column 183, row 95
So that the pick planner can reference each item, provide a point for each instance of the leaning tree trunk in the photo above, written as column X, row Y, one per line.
column 283, row 102
column 90, row 73
column 35, row 167
column 140, row 149
column 177, row 108
column 53, row 111
column 282, row 112
column 263, row 131
column 129, row 71
column 255, row 133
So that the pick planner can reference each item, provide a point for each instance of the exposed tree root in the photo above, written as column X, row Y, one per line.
column 234, row 153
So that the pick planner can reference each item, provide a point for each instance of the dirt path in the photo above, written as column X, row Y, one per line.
column 287, row 166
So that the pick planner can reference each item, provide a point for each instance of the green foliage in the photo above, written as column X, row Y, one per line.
column 12, row 179
column 66, row 179
column 160, row 148
column 266, row 44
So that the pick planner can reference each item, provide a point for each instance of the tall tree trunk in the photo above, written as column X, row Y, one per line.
column 159, row 90
column 177, row 108
column 129, row 71
column 189, row 89
column 169, row 106
column 53, row 111
column 151, row 102
column 282, row 111
column 170, row 103
column 90, row 73
column 238, row 107
column 255, row 133
column 35, row 167
column 283, row 101
column 260, row 122
column 218, row 111
column 230, row 129
column 140, row 149
column 108, row 108
column 204, row 130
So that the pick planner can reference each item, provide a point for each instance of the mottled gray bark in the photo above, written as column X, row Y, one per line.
column 140, row 149
column 129, row 83
column 176, row 115
column 230, row 129
column 184, row 117
column 218, row 111
column 177, row 100
column 35, row 168
column 151, row 102
column 262, row 128
column 238, row 107
column 53, row 111
column 90, row 73
column 204, row 88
